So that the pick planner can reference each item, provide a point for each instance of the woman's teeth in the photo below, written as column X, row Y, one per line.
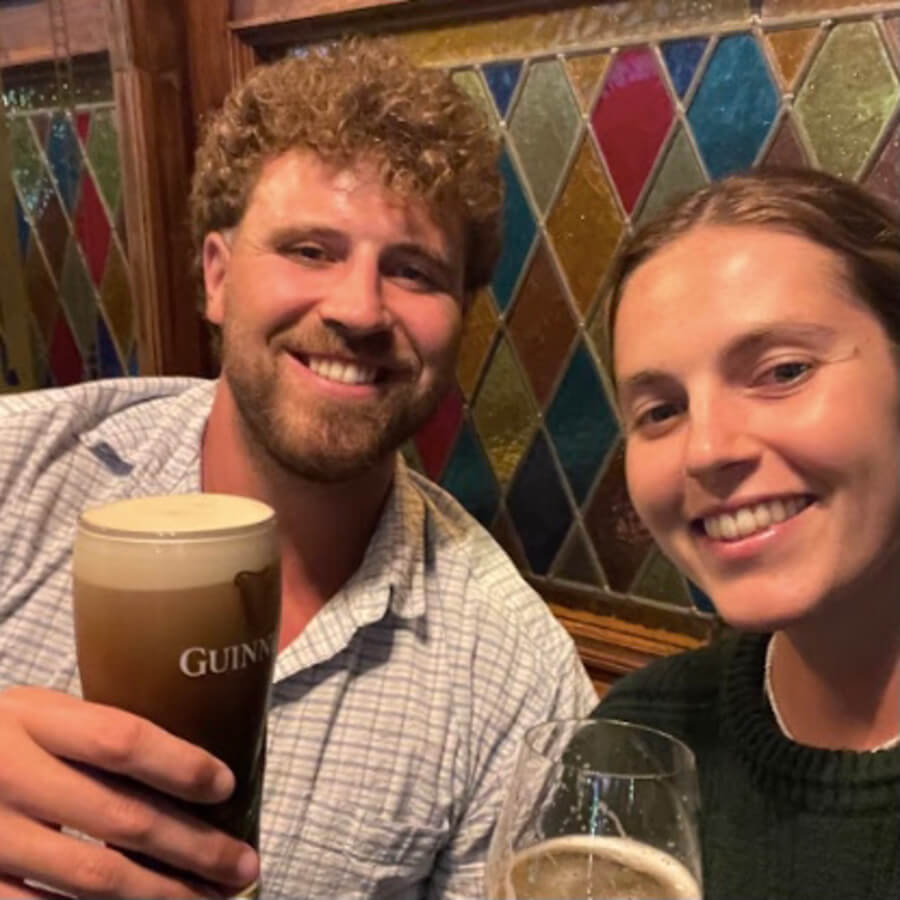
column 751, row 519
column 345, row 373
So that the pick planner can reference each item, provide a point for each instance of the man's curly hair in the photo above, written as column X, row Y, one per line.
column 357, row 99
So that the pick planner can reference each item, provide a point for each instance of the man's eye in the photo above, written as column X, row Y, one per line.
column 308, row 252
column 415, row 275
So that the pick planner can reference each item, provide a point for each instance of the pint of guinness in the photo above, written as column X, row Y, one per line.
column 177, row 605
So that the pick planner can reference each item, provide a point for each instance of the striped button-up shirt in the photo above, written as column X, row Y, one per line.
column 395, row 714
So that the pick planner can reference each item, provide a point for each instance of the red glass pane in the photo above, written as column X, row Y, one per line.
column 92, row 227
column 436, row 436
column 631, row 119
column 65, row 360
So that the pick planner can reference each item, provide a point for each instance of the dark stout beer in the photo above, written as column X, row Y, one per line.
column 177, row 605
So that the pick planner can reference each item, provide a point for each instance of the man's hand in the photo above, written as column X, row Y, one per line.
column 42, row 733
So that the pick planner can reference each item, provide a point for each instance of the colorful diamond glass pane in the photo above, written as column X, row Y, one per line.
column 682, row 58
column 543, row 126
column 115, row 296
column 468, row 476
column 541, row 325
column 631, row 119
column 539, row 507
column 882, row 180
column 789, row 48
column 435, row 438
column 847, row 98
column 575, row 562
column 78, row 299
column 22, row 229
column 786, row 149
column 42, row 293
column 102, row 151
column 581, row 422
column 133, row 362
column 700, row 600
column 679, row 174
column 29, row 174
column 92, row 228
column 505, row 533
column 53, row 231
column 504, row 413
column 470, row 82
column 65, row 358
column 660, row 580
column 502, row 79
column 585, row 73
column 479, row 327
column 620, row 540
column 734, row 106
column 64, row 158
column 585, row 227
column 108, row 363
column 518, row 234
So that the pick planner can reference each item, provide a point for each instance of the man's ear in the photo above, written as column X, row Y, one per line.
column 216, row 257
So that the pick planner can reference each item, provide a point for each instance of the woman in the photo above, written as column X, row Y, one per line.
column 754, row 334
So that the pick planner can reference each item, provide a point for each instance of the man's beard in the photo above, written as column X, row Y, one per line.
column 325, row 444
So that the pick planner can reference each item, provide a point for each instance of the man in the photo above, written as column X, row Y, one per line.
column 346, row 207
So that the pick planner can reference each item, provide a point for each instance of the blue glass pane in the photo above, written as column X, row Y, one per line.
column 581, row 422
column 518, row 234
column 539, row 507
column 700, row 600
column 64, row 159
column 133, row 367
column 682, row 58
column 9, row 375
column 468, row 476
column 734, row 107
column 502, row 79
column 22, row 228
column 109, row 364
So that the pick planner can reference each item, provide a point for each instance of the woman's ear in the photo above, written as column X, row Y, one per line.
column 216, row 257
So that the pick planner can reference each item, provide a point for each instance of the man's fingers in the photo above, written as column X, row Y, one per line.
column 18, row 890
column 74, row 866
column 119, row 814
column 116, row 741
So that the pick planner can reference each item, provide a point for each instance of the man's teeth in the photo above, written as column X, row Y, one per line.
column 750, row 519
column 345, row 373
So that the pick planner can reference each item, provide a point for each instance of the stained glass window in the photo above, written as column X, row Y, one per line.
column 70, row 222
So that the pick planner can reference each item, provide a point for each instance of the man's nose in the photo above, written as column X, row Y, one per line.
column 355, row 303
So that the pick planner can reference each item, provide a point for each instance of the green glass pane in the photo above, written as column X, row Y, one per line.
column 504, row 413
column 660, row 580
column 470, row 81
column 544, row 126
column 29, row 173
column 103, row 153
column 574, row 562
column 115, row 295
column 679, row 174
column 848, row 96
column 78, row 298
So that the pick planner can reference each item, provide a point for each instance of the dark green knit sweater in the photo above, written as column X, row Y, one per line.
column 779, row 821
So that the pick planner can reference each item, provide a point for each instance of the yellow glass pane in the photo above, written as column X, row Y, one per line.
column 847, row 98
column 581, row 26
column 660, row 580
column 478, row 333
column 585, row 226
column 115, row 296
column 504, row 413
column 586, row 73
column 789, row 49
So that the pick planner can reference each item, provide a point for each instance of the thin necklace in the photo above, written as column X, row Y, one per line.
column 770, row 696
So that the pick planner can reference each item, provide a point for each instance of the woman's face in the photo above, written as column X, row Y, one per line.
column 760, row 399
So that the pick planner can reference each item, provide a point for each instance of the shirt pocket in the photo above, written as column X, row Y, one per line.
column 350, row 853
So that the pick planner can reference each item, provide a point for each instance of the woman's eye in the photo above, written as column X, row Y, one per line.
column 786, row 372
column 656, row 415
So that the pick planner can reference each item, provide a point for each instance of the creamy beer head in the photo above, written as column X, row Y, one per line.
column 582, row 867
column 204, row 538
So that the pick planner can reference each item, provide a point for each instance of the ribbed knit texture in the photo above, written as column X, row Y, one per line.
column 780, row 821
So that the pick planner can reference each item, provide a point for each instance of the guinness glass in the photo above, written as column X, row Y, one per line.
column 177, row 605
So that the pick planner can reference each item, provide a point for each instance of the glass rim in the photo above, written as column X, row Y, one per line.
column 684, row 750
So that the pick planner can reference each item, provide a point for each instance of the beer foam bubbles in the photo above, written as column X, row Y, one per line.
column 174, row 541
